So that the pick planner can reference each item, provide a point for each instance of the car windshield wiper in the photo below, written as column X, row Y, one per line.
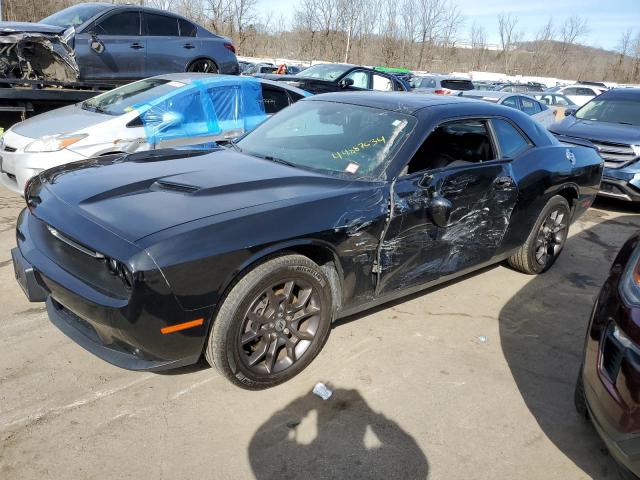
column 94, row 108
column 275, row 159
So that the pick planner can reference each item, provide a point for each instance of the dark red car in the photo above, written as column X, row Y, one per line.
column 608, row 387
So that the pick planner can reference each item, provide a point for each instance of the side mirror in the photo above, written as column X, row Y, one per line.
column 440, row 210
column 346, row 82
column 570, row 111
column 95, row 43
column 169, row 119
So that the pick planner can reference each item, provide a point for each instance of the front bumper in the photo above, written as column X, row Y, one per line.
column 623, row 183
column 18, row 166
column 124, row 330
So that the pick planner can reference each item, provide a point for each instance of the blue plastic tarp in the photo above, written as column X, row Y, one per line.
column 204, row 109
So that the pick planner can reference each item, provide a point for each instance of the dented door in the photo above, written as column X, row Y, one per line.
column 416, row 251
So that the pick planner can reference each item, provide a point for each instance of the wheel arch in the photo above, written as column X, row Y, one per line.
column 318, row 251
column 570, row 192
column 202, row 57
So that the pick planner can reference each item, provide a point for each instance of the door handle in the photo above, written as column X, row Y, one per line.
column 188, row 46
column 502, row 183
column 136, row 46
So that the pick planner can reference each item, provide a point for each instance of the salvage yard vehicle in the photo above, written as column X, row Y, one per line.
column 336, row 204
column 337, row 77
column 611, row 122
column 579, row 94
column 608, row 387
column 441, row 84
column 559, row 102
column 98, row 42
column 529, row 105
column 163, row 111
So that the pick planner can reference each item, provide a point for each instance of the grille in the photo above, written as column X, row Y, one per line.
column 612, row 354
column 615, row 155
column 7, row 148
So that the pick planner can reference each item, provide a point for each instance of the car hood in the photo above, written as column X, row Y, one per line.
column 67, row 119
column 140, row 194
column 13, row 27
column 598, row 131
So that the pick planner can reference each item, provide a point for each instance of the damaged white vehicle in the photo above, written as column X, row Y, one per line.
column 166, row 111
column 31, row 51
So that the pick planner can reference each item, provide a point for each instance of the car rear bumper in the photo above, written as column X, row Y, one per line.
column 125, row 331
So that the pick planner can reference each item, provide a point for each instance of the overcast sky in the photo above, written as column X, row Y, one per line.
column 606, row 18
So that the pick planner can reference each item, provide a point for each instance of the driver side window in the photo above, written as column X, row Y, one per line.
column 454, row 144
column 360, row 78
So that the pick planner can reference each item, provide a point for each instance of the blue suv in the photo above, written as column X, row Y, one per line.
column 611, row 121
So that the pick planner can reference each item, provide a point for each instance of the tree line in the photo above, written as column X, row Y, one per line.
column 426, row 35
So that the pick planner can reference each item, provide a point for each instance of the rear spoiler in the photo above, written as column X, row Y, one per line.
column 574, row 141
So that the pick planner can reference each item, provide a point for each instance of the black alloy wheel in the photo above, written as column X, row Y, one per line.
column 279, row 326
column 551, row 236
column 272, row 323
column 546, row 239
column 203, row 65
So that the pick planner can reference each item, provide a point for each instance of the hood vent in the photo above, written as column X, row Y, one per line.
column 174, row 187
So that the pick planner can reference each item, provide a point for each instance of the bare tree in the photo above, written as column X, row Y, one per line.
column 509, row 36
column 572, row 30
column 478, row 46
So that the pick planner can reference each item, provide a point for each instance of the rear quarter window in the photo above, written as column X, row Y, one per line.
column 187, row 29
column 457, row 84
column 511, row 141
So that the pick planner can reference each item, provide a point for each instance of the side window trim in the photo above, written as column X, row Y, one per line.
column 501, row 157
column 112, row 13
column 492, row 138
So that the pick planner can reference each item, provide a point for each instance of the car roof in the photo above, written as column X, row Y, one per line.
column 190, row 77
column 404, row 102
column 493, row 94
column 625, row 93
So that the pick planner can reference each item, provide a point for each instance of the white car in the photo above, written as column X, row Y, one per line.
column 520, row 101
column 159, row 112
column 579, row 94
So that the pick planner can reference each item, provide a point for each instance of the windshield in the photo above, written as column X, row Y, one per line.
column 340, row 139
column 124, row 99
column 625, row 111
column 324, row 72
column 76, row 15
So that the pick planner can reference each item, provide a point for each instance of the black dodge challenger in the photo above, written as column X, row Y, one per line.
column 247, row 253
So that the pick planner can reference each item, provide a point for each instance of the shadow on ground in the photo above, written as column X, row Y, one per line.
column 542, row 331
column 340, row 438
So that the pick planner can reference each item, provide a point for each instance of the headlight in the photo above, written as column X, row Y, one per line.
column 636, row 150
column 53, row 143
column 630, row 281
column 119, row 269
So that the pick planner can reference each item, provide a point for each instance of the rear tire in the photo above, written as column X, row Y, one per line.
column 203, row 65
column 272, row 324
column 546, row 240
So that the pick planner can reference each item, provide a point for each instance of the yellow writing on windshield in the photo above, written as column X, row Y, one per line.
column 358, row 147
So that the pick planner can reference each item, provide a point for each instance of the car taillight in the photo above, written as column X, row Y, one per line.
column 630, row 281
column 230, row 47
column 440, row 92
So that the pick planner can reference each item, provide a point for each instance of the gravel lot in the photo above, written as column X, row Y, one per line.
column 473, row 380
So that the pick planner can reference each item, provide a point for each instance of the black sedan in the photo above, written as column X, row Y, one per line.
column 248, row 253
column 336, row 77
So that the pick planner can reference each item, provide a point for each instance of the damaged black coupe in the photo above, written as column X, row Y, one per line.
column 247, row 253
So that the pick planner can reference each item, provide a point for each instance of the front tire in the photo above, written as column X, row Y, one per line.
column 272, row 324
column 546, row 240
